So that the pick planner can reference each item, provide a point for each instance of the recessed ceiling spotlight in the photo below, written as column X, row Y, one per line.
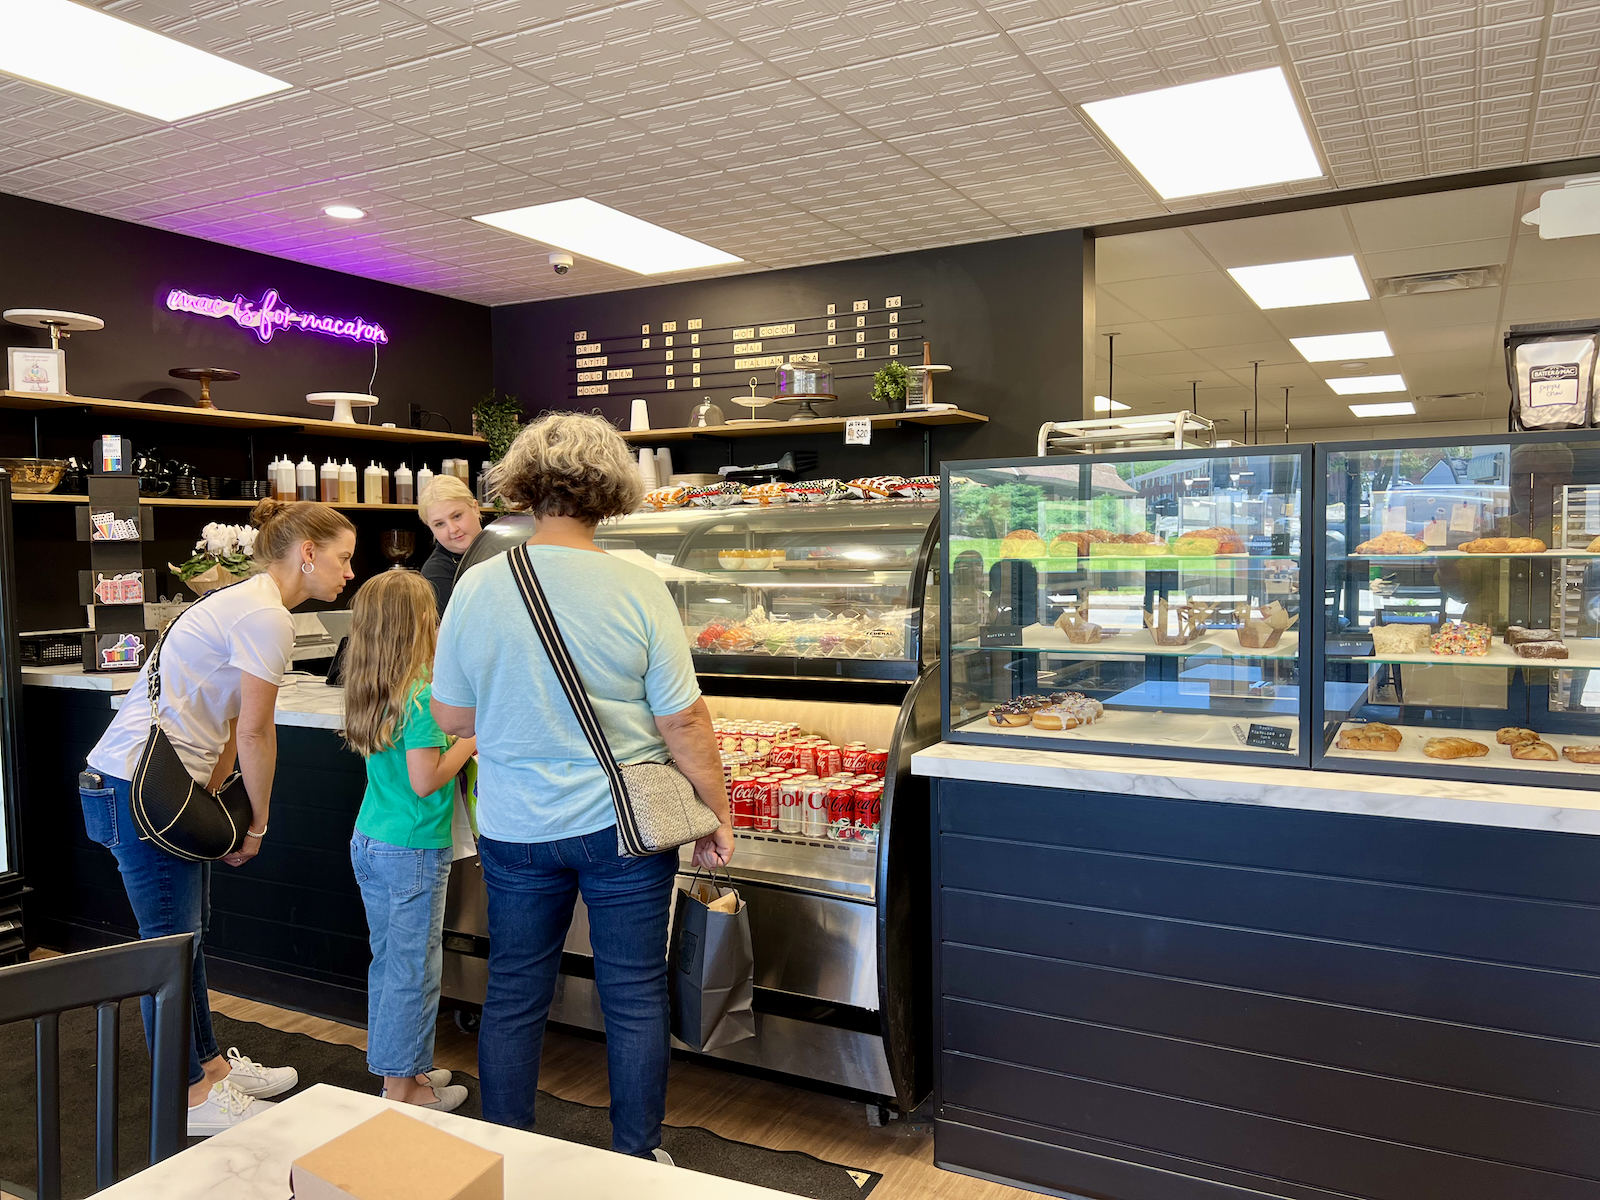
column 1333, row 346
column 1219, row 135
column 1103, row 404
column 1366, row 386
column 1399, row 408
column 74, row 48
column 1354, row 367
column 594, row 230
column 344, row 212
column 1298, row 284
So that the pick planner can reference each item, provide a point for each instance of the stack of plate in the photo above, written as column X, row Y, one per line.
column 190, row 487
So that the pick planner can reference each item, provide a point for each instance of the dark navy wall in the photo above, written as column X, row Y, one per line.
column 1007, row 315
column 1151, row 999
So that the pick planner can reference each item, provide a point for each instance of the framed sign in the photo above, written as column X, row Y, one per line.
column 31, row 370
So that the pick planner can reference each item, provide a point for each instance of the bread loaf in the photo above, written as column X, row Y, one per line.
column 1372, row 736
column 1454, row 747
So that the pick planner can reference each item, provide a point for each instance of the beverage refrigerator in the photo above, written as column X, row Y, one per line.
column 822, row 616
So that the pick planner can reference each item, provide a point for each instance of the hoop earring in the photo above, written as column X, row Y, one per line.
column 306, row 568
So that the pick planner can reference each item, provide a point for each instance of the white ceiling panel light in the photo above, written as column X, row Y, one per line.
column 1219, row 135
column 1398, row 408
column 1339, row 347
column 78, row 49
column 595, row 231
column 1104, row 404
column 1366, row 385
column 344, row 212
column 1334, row 280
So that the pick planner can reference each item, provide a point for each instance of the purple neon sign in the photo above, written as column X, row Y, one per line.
column 272, row 314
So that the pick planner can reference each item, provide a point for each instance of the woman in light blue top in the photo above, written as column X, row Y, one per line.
column 545, row 818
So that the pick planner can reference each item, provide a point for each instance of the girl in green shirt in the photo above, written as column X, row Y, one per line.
column 401, row 846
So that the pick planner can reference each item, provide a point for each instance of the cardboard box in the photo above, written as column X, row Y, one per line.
column 396, row 1157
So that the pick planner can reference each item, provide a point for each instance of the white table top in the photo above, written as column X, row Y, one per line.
column 251, row 1161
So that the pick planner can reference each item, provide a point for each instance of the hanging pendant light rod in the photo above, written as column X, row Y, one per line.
column 1256, row 390
column 1111, row 371
column 1285, row 416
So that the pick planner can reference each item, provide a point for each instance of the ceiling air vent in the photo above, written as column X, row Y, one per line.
column 1439, row 281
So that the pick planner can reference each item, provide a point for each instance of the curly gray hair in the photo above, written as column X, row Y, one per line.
column 569, row 465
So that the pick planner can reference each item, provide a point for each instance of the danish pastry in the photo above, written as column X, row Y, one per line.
column 1372, row 736
column 1393, row 543
column 1022, row 543
column 1540, row 750
column 1454, row 747
column 1581, row 754
column 1511, row 735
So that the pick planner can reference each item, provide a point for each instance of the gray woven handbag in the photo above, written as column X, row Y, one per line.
column 657, row 809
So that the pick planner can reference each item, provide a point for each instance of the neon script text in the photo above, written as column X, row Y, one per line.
column 272, row 314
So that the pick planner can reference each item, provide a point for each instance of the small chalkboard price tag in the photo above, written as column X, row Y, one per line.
column 1268, row 737
column 1000, row 635
column 858, row 431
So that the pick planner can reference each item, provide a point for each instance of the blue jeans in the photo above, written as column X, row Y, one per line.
column 168, row 896
column 403, row 891
column 532, row 888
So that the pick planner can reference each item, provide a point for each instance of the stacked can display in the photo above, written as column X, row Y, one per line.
column 787, row 783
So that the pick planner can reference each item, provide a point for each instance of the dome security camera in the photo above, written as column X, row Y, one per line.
column 561, row 263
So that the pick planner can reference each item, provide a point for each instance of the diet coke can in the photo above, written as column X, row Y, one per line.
column 744, row 798
column 791, row 805
column 877, row 763
column 868, row 806
column 814, row 819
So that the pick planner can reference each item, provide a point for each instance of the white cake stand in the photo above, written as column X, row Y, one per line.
column 342, row 404
column 59, row 323
column 752, row 402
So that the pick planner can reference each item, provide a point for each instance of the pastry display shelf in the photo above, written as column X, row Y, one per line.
column 1580, row 653
column 1136, row 644
column 809, row 576
column 1137, row 728
column 1432, row 554
column 1123, row 562
column 175, row 502
column 1414, row 737
column 134, row 410
column 946, row 416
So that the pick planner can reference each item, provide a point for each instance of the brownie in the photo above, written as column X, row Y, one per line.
column 1516, row 635
column 1540, row 649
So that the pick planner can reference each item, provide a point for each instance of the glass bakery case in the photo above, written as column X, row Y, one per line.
column 1145, row 603
column 1461, row 608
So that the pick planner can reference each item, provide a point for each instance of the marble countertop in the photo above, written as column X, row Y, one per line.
column 252, row 1160
column 304, row 700
column 1565, row 810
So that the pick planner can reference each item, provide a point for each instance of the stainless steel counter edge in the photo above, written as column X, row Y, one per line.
column 305, row 702
column 1563, row 810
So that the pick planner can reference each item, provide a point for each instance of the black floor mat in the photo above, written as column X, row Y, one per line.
column 692, row 1148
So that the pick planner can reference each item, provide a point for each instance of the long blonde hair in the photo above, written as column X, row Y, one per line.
column 393, row 633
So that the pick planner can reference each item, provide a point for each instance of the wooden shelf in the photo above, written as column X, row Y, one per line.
column 223, row 418
column 947, row 416
column 171, row 502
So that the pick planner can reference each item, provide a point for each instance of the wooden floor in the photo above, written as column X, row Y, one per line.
column 757, row 1111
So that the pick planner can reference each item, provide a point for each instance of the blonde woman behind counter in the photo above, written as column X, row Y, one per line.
column 547, row 826
column 450, row 511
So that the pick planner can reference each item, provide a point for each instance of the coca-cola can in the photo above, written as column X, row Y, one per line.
column 744, row 796
column 853, row 757
column 791, row 805
column 877, row 763
column 829, row 760
column 783, row 754
column 814, row 818
column 841, row 808
column 766, row 815
column 805, row 757
column 868, row 806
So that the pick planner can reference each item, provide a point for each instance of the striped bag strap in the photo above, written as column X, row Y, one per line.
column 555, row 647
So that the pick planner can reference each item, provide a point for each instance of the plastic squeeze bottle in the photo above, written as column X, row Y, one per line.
column 424, row 478
column 402, row 485
column 330, row 481
column 347, row 483
column 372, row 484
column 305, row 479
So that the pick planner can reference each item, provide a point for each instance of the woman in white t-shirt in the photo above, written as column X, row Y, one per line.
column 221, row 666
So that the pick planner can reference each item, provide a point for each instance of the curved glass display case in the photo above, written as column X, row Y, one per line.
column 1144, row 603
column 1461, row 593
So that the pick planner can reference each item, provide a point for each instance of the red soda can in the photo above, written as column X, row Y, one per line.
column 854, row 757
column 743, row 798
column 783, row 754
column 766, row 809
column 841, row 808
column 805, row 757
column 868, row 806
column 877, row 763
column 814, row 817
column 829, row 760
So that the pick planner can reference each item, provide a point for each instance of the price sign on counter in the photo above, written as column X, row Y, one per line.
column 1268, row 737
column 858, row 431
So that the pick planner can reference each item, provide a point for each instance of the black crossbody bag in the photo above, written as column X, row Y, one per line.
column 656, row 806
column 172, row 811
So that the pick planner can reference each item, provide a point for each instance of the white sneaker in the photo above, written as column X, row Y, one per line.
column 446, row 1099
column 661, row 1156
column 223, row 1108
column 251, row 1078
column 436, row 1078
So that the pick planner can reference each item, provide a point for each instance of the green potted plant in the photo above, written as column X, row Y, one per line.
column 889, row 386
column 497, row 420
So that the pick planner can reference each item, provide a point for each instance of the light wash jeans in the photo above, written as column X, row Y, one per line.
column 403, row 891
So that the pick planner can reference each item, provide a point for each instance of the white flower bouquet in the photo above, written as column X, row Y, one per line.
column 223, row 555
